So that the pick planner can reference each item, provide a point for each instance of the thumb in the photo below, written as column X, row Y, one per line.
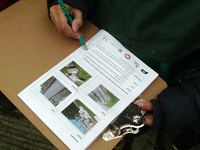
column 78, row 21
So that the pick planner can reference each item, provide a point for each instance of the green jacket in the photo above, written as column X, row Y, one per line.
column 160, row 32
column 163, row 33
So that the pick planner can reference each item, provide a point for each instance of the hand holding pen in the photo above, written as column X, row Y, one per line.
column 61, row 21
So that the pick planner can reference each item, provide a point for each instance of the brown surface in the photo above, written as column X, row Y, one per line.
column 30, row 46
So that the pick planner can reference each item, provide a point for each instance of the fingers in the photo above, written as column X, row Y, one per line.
column 149, row 119
column 145, row 105
column 61, row 22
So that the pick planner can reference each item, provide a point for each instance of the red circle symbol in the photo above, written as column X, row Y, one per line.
column 127, row 56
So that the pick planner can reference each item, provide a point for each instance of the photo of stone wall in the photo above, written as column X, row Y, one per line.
column 103, row 97
column 54, row 91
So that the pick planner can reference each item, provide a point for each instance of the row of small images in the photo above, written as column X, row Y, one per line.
column 77, row 113
column 81, row 116
column 56, row 92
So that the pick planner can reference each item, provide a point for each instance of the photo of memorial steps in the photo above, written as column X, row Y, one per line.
column 103, row 97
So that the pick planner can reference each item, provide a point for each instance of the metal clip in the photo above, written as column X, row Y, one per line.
column 114, row 132
column 129, row 121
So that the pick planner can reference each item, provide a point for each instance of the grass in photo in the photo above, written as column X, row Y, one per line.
column 75, row 73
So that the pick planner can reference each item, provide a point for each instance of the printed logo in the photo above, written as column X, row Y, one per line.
column 120, row 50
column 143, row 71
column 105, row 39
column 127, row 56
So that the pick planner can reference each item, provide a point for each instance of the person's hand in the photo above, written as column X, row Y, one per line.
column 147, row 106
column 61, row 22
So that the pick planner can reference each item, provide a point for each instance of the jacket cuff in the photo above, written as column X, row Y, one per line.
column 158, row 115
column 49, row 4
column 81, row 5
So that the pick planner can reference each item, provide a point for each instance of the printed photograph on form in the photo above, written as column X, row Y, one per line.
column 103, row 97
column 80, row 116
column 75, row 73
column 54, row 91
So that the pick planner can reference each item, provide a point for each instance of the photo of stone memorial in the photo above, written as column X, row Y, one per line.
column 75, row 73
column 54, row 91
column 81, row 116
column 103, row 97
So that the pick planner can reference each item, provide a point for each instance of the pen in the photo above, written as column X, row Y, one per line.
column 65, row 11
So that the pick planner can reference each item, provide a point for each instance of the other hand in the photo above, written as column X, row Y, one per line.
column 61, row 22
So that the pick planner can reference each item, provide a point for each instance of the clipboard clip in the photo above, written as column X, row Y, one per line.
column 128, row 122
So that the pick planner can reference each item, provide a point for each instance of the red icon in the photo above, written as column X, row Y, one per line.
column 127, row 56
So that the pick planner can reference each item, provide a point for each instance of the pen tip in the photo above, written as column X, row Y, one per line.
column 85, row 46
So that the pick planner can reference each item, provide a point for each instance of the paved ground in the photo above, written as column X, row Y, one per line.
column 17, row 133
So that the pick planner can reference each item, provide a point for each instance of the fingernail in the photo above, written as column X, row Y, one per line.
column 140, row 104
column 77, row 37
